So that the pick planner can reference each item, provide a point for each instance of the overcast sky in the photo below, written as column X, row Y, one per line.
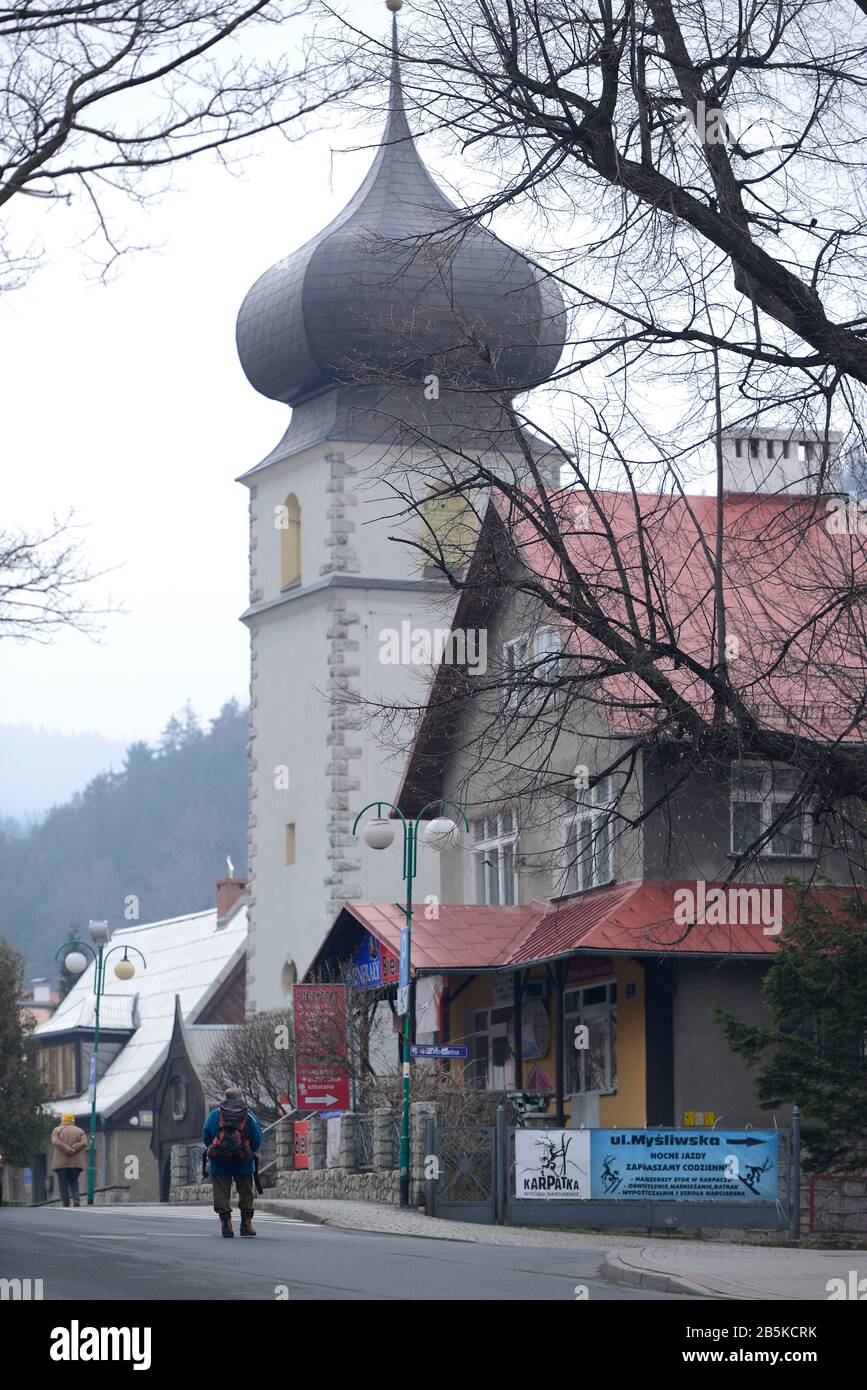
column 127, row 403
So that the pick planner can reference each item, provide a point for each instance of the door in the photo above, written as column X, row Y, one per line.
column 594, row 1068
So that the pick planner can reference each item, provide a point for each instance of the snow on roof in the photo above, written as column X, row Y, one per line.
column 186, row 956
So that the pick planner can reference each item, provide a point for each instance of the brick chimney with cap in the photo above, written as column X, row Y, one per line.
column 229, row 891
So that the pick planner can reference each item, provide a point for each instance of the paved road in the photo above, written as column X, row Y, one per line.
column 158, row 1252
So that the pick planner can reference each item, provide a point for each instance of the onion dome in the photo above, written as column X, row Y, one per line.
column 396, row 288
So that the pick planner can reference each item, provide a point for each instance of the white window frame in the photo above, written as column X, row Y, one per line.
column 768, row 796
column 496, row 847
column 591, row 839
column 515, row 671
column 548, row 654
column 576, row 1013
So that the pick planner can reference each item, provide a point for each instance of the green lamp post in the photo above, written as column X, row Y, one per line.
column 76, row 963
column 440, row 834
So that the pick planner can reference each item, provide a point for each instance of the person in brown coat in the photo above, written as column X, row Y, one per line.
column 68, row 1143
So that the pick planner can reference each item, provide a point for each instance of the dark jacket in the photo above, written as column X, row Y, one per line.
column 254, row 1135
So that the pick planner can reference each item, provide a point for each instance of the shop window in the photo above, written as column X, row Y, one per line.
column 490, row 1065
column 495, row 859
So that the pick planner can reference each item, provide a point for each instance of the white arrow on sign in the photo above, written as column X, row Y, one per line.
column 319, row 1100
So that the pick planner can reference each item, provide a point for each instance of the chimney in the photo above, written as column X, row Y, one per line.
column 229, row 891
column 41, row 991
column 773, row 459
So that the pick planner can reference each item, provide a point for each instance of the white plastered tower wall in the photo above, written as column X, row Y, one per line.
column 310, row 644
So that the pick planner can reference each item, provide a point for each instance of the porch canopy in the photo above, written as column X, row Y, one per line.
column 635, row 918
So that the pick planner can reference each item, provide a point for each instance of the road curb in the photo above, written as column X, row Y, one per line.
column 614, row 1268
column 293, row 1213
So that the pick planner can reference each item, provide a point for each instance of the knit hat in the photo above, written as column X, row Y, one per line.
column 67, row 1118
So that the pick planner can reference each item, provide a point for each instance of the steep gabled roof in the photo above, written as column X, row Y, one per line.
column 188, row 957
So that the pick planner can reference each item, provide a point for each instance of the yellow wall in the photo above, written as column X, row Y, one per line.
column 628, row 1105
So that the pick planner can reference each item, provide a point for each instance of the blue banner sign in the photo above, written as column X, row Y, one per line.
column 372, row 965
column 686, row 1165
column 441, row 1050
column 696, row 1165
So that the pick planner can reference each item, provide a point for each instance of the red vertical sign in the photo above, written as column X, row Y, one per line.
column 321, row 1047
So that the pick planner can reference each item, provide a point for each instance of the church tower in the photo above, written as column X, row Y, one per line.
column 350, row 331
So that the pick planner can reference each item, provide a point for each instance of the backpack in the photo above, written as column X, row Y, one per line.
column 230, row 1145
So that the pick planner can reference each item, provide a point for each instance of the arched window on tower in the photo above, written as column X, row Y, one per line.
column 448, row 526
column 290, row 542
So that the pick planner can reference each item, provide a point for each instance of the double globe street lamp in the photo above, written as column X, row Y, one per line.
column 440, row 834
column 76, row 963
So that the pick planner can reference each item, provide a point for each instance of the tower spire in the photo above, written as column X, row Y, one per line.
column 397, row 126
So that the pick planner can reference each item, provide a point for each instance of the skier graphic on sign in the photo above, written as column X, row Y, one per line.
column 752, row 1178
column 611, row 1179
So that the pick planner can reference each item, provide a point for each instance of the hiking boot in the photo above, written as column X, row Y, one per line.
column 247, row 1224
column 226, row 1223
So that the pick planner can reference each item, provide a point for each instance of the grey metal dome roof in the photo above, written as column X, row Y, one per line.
column 391, row 291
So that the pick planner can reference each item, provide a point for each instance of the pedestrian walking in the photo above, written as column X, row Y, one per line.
column 231, row 1136
column 68, row 1143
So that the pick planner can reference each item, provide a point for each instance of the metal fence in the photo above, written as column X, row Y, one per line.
column 364, row 1151
column 838, row 1204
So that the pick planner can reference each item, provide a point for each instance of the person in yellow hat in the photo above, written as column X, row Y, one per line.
column 68, row 1143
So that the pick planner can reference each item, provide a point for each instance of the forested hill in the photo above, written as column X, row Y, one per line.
column 158, row 831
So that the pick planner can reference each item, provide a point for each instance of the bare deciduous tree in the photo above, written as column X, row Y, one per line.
column 100, row 95
column 42, row 583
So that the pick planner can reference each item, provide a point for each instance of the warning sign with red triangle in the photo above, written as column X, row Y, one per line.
column 538, row 1081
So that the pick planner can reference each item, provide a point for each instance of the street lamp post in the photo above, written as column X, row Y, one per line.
column 378, row 833
column 76, row 964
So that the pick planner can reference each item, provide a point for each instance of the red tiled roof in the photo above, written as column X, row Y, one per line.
column 636, row 917
column 461, row 938
column 782, row 571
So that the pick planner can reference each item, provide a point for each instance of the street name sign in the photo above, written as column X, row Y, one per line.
column 444, row 1051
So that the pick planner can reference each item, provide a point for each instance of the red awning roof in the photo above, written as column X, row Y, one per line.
column 461, row 938
column 637, row 917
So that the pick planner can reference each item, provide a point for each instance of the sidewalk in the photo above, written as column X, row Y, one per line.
column 703, row 1269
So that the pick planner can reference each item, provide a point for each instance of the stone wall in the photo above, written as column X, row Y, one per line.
column 339, row 1180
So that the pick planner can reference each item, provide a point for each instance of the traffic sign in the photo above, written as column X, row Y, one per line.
column 442, row 1050
column 403, row 1000
column 320, row 1087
